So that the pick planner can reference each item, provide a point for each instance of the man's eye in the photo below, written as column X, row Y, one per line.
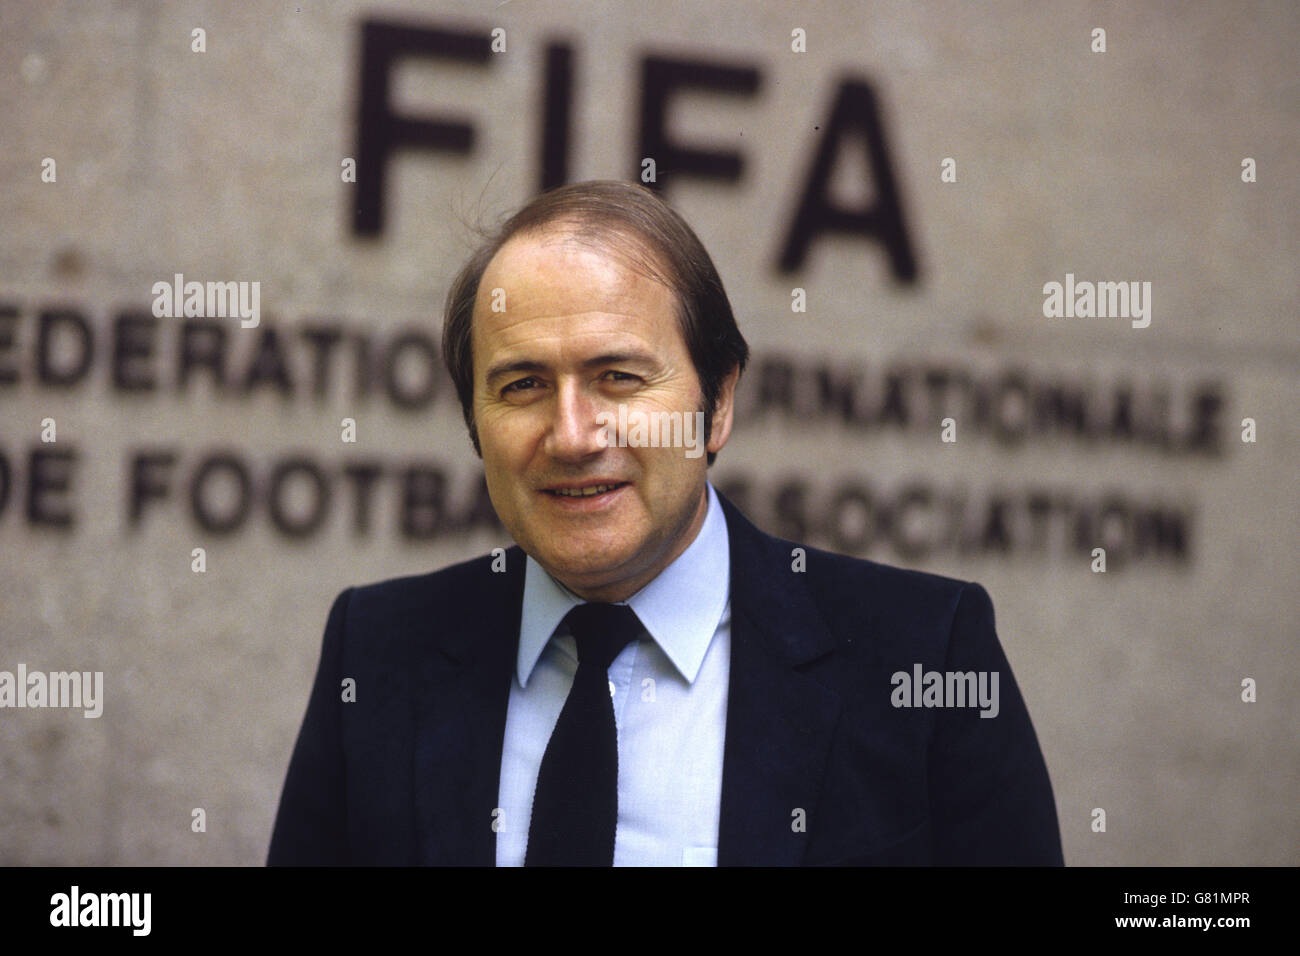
column 621, row 376
column 521, row 385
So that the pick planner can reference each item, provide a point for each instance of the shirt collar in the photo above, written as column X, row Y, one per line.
column 681, row 608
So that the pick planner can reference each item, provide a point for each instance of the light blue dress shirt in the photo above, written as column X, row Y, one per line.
column 670, row 706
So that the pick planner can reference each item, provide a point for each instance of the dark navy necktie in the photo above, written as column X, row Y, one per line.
column 575, row 806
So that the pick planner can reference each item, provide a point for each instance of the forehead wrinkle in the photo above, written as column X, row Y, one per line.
column 519, row 330
column 529, row 299
column 556, row 349
column 516, row 327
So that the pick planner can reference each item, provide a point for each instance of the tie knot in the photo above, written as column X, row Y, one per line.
column 602, row 630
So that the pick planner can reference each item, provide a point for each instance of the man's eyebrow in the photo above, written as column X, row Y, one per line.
column 628, row 357
column 519, row 365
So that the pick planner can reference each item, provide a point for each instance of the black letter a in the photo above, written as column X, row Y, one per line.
column 855, row 109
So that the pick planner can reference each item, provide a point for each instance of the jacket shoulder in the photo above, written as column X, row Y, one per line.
column 903, row 583
column 431, row 586
column 418, row 605
column 839, row 582
column 902, row 611
column 855, row 597
column 887, row 593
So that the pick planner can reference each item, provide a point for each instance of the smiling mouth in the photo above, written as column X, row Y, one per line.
column 589, row 491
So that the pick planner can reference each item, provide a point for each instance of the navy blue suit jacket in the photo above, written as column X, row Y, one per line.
column 408, row 772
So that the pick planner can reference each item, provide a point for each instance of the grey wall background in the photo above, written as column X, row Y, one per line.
column 226, row 165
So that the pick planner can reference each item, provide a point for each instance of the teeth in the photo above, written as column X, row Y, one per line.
column 582, row 492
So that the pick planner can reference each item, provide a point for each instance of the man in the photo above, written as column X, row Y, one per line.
column 646, row 678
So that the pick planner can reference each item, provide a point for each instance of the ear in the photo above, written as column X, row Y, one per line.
column 723, row 411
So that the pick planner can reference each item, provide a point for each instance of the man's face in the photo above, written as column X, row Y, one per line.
column 575, row 333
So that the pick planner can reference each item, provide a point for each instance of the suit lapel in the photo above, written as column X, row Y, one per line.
column 460, row 716
column 779, row 720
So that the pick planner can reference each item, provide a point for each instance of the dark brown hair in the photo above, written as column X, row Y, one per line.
column 632, row 224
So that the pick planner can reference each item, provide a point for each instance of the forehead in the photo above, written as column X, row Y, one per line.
column 555, row 286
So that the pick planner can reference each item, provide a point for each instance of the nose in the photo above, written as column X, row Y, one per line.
column 573, row 433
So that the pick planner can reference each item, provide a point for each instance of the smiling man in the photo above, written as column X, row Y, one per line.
column 646, row 678
column 581, row 333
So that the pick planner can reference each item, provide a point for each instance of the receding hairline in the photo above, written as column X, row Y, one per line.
column 616, row 240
